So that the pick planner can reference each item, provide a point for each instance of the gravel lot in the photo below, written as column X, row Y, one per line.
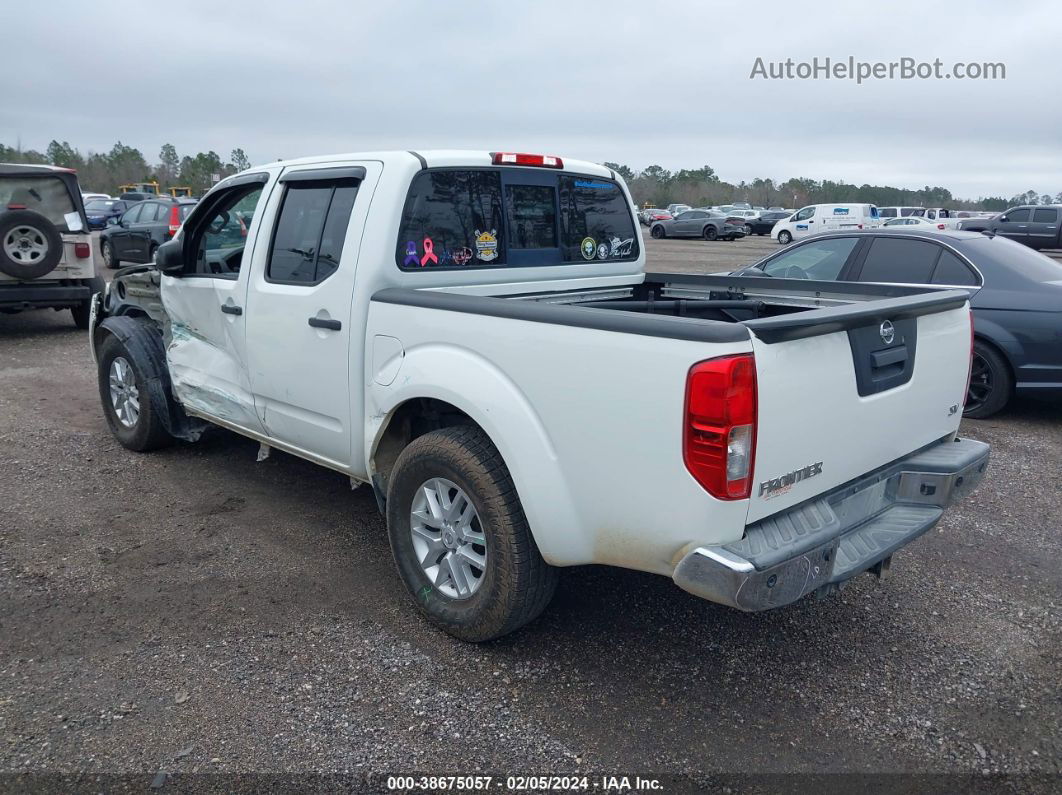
column 192, row 610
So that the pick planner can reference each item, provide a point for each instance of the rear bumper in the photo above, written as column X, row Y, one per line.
column 26, row 296
column 821, row 544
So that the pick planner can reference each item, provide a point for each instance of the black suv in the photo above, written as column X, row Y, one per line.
column 141, row 229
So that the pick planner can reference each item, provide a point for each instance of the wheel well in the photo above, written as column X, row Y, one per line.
column 412, row 419
column 1002, row 354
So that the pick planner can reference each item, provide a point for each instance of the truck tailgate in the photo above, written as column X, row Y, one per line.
column 844, row 392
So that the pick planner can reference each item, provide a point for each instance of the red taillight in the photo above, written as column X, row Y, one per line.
column 859, row 226
column 521, row 159
column 719, row 437
column 941, row 226
column 82, row 250
column 175, row 220
column 969, row 372
column 16, row 207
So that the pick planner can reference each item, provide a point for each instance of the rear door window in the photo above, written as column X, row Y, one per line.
column 308, row 240
column 1045, row 216
column 899, row 260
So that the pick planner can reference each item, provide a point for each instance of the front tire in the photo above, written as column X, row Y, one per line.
column 658, row 233
column 107, row 250
column 991, row 382
column 126, row 397
column 748, row 230
column 460, row 539
column 785, row 238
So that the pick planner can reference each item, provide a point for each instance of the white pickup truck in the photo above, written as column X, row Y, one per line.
column 473, row 334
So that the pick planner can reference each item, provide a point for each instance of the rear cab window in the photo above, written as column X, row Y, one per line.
column 506, row 217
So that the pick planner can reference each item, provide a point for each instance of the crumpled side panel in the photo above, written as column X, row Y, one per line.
column 208, row 379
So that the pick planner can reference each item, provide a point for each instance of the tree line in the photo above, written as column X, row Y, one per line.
column 103, row 172
column 702, row 187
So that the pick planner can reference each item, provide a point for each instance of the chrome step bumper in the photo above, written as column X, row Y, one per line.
column 822, row 543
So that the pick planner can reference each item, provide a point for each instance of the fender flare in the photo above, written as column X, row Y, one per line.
column 499, row 407
column 143, row 340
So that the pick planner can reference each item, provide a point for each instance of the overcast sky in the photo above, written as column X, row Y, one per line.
column 631, row 82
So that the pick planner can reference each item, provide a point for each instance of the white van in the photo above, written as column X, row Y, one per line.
column 899, row 212
column 825, row 218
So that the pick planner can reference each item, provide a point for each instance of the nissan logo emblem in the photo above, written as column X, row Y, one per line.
column 888, row 332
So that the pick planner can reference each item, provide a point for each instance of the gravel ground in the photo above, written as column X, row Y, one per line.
column 193, row 610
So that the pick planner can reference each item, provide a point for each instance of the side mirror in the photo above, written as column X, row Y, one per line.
column 169, row 258
column 112, row 220
column 1002, row 218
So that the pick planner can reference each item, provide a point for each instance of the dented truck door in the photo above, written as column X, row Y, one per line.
column 206, row 344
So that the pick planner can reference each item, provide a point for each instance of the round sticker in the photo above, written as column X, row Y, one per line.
column 588, row 247
column 602, row 251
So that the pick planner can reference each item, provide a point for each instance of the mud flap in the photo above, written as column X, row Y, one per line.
column 143, row 340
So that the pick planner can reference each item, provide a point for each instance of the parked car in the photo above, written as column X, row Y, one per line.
column 140, row 230
column 132, row 196
column 763, row 223
column 899, row 212
column 100, row 211
column 656, row 215
column 344, row 332
column 46, row 255
column 674, row 209
column 915, row 222
column 1015, row 294
column 816, row 218
column 700, row 223
column 1036, row 226
column 741, row 206
column 87, row 197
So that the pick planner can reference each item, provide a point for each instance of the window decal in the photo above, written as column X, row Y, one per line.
column 588, row 248
column 412, row 257
column 487, row 245
column 429, row 253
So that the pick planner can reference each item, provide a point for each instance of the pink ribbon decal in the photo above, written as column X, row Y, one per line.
column 429, row 253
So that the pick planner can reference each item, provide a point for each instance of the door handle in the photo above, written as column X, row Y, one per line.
column 325, row 322
column 231, row 309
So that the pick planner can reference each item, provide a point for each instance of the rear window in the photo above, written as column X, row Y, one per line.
column 45, row 195
column 184, row 210
column 463, row 218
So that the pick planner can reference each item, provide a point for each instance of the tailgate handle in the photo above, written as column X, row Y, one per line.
column 887, row 357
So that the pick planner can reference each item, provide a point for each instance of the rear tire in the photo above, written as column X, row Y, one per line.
column 785, row 238
column 710, row 233
column 145, row 430
column 514, row 585
column 748, row 230
column 991, row 382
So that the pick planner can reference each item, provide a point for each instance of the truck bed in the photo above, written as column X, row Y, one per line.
column 702, row 308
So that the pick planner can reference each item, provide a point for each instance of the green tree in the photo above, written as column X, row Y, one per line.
column 63, row 154
column 239, row 160
column 169, row 165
